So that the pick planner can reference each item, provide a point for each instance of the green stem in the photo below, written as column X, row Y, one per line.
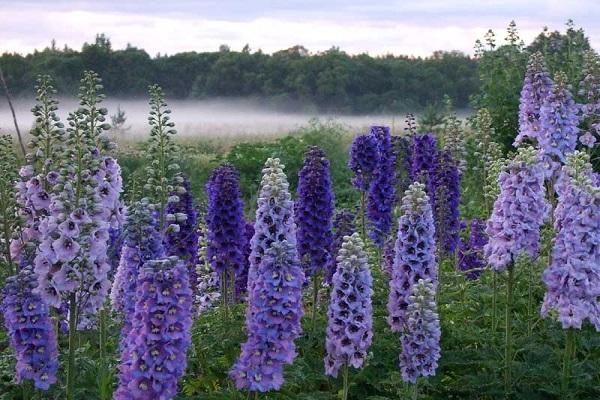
column 346, row 386
column 508, row 334
column 415, row 391
column 567, row 363
column 362, row 216
column 72, row 345
column 224, row 293
column 316, row 282
column 494, row 299
column 529, row 299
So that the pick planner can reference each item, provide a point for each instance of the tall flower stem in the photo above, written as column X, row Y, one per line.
column 103, row 360
column 362, row 216
column 529, row 299
column 72, row 346
column 316, row 284
column 223, row 281
column 346, row 385
column 568, row 356
column 508, row 333
column 494, row 299
column 414, row 389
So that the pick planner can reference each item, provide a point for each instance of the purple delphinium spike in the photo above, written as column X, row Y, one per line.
column 389, row 254
column 30, row 330
column 313, row 212
column 343, row 225
column 382, row 189
column 182, row 242
column 225, row 222
column 272, row 320
column 350, row 314
column 470, row 250
column 421, row 339
column 447, row 200
column 536, row 87
column 275, row 281
column 414, row 253
column 519, row 211
column 402, row 146
column 154, row 357
column 558, row 123
column 424, row 162
column 241, row 279
column 589, row 90
column 141, row 242
column 573, row 277
column 363, row 161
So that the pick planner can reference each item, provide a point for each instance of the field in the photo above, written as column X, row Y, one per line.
column 223, row 252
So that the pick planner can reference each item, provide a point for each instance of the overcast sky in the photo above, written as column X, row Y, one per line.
column 377, row 27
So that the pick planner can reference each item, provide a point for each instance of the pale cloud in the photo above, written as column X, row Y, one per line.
column 399, row 27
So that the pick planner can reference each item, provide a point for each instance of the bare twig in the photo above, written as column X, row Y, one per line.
column 12, row 110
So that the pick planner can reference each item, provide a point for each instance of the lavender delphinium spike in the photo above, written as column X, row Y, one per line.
column 313, row 213
column 273, row 320
column 589, row 89
column 343, row 225
column 470, row 250
column 141, row 242
column 558, row 123
column 519, row 211
column 447, row 200
column 415, row 253
column 573, row 277
column 225, row 226
column 536, row 88
column 424, row 162
column 241, row 279
column 363, row 161
column 275, row 281
column 402, row 146
column 350, row 314
column 421, row 339
column 30, row 330
column 382, row 190
column 154, row 356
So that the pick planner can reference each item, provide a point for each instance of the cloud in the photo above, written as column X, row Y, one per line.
column 399, row 27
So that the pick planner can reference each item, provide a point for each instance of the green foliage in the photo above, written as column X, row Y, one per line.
column 8, row 206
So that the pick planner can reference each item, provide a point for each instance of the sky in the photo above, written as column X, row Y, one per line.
column 414, row 28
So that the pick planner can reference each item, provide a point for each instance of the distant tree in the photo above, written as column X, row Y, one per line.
column 118, row 121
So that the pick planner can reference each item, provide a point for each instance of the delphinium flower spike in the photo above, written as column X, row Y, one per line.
column 30, row 330
column 589, row 90
column 536, row 88
column 275, row 281
column 402, row 147
column 154, row 357
column 454, row 140
column 225, row 228
column 163, row 172
column 141, row 242
column 382, row 190
column 414, row 253
column 207, row 285
column 421, row 338
column 447, row 200
column 425, row 156
column 241, row 279
column 350, row 314
column 363, row 161
column 470, row 250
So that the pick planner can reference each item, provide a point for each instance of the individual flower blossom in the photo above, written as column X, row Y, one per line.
column 558, row 123
column 225, row 223
column 447, row 200
column 382, row 189
column 350, row 313
column 573, row 278
column 519, row 211
column 536, row 87
column 421, row 339
column 424, row 162
column 470, row 251
column 313, row 213
column 141, row 242
column 588, row 140
column 182, row 242
column 154, row 358
column 207, row 280
column 241, row 279
column 272, row 320
column 414, row 253
column 30, row 330
column 364, row 158
column 343, row 225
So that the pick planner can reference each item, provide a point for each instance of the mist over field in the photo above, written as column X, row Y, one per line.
column 206, row 118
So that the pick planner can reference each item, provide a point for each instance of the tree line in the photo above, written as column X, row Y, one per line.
column 326, row 81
